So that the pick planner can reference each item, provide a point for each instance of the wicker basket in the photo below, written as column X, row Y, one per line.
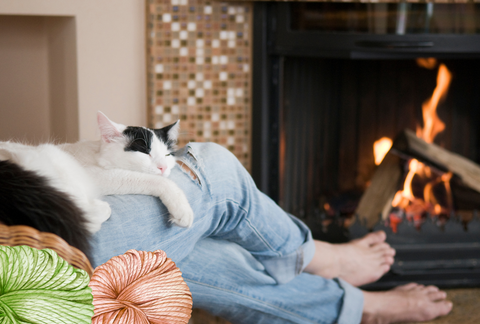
column 25, row 235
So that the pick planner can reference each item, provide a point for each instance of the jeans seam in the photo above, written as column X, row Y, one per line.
column 299, row 263
column 253, row 228
column 251, row 298
column 262, row 238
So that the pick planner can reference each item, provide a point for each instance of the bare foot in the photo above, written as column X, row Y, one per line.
column 410, row 302
column 358, row 262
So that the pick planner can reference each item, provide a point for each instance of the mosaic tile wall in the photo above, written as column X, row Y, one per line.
column 199, row 56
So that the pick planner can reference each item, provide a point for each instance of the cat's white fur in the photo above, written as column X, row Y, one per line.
column 88, row 170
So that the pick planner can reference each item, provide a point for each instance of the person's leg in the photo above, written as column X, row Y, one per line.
column 227, row 205
column 227, row 281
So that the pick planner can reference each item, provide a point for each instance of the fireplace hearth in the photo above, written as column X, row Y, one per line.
column 329, row 80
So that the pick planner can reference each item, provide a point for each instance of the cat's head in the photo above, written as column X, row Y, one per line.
column 137, row 148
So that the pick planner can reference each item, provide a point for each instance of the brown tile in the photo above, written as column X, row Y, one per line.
column 212, row 38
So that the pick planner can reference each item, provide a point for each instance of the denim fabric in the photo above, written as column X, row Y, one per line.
column 352, row 303
column 228, row 282
column 227, row 207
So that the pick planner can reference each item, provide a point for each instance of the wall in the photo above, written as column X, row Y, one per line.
column 23, row 87
column 199, row 59
column 108, row 72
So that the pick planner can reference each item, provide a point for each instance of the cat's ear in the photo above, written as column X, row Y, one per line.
column 172, row 130
column 168, row 134
column 109, row 131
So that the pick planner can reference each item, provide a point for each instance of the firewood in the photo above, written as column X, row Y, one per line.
column 429, row 153
column 378, row 197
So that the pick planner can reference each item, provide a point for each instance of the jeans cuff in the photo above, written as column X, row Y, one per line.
column 286, row 267
column 352, row 307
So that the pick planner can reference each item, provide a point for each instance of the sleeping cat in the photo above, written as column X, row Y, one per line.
column 126, row 160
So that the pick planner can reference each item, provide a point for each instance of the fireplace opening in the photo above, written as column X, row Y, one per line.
column 327, row 90
column 335, row 109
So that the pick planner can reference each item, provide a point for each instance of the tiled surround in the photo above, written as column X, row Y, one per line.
column 199, row 56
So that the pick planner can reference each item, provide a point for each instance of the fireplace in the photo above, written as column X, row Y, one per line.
column 331, row 79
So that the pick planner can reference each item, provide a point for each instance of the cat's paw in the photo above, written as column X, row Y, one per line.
column 182, row 215
column 98, row 213
column 101, row 210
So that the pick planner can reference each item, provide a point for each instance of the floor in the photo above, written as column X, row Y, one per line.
column 466, row 307
column 202, row 317
column 466, row 310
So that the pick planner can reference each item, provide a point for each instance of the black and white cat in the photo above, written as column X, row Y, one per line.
column 126, row 160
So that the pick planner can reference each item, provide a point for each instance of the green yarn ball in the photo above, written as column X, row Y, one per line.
column 38, row 286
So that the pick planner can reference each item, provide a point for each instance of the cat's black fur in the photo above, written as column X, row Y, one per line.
column 141, row 140
column 27, row 199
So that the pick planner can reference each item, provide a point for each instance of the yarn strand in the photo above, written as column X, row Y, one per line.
column 37, row 286
column 142, row 288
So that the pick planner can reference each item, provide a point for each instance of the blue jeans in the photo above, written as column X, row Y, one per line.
column 256, row 259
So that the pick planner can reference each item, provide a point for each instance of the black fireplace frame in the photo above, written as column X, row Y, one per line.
column 274, row 40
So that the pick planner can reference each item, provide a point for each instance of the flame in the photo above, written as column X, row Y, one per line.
column 403, row 197
column 428, row 195
column 427, row 62
column 446, row 182
column 432, row 125
column 397, row 199
column 381, row 148
column 407, row 186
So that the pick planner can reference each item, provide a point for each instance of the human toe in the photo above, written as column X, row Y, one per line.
column 385, row 268
column 388, row 260
column 430, row 289
column 381, row 246
column 445, row 307
column 437, row 295
column 375, row 237
column 384, row 249
column 436, row 309
column 406, row 287
column 391, row 252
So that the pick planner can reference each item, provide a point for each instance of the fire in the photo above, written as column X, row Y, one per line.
column 427, row 62
column 405, row 200
column 381, row 148
column 432, row 125
column 407, row 186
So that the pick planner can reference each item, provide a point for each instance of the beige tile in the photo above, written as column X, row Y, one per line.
column 199, row 58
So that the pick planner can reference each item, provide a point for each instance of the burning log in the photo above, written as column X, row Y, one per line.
column 377, row 199
column 433, row 154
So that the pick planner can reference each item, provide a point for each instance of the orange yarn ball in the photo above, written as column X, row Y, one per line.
column 142, row 288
